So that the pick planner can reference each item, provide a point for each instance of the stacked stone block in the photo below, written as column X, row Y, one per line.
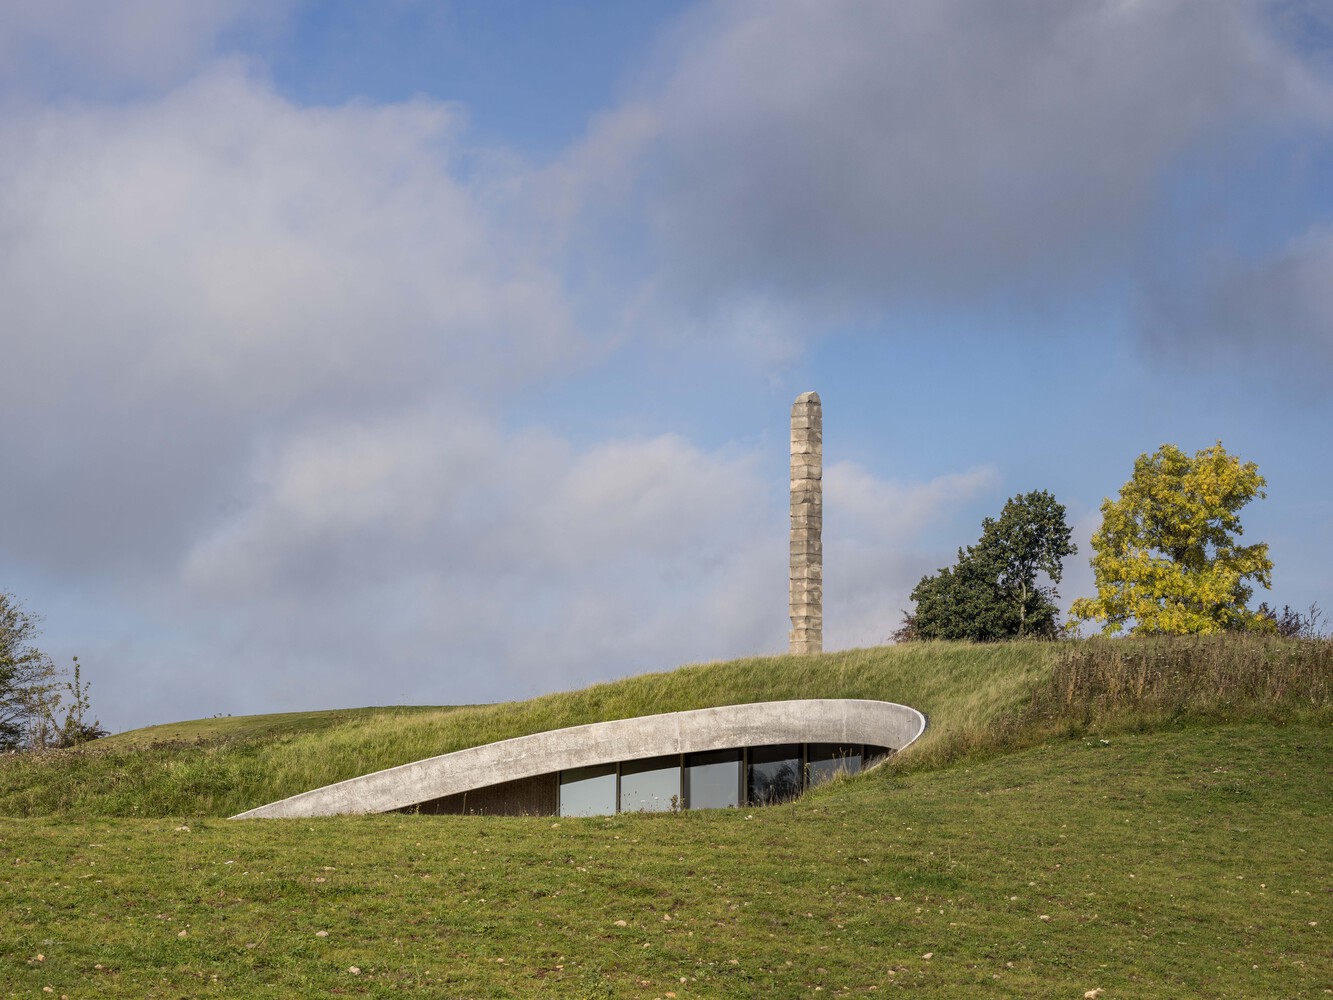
column 807, row 524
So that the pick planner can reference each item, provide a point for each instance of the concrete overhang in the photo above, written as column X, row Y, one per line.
column 822, row 720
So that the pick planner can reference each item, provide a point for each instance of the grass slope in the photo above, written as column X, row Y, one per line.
column 1145, row 818
column 249, row 727
column 960, row 687
column 1187, row 864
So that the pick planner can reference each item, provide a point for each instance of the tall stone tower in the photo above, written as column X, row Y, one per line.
column 807, row 524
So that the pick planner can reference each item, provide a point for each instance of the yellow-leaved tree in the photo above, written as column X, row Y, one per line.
column 1167, row 559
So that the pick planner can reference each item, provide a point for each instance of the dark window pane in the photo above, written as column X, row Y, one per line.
column 535, row 796
column 774, row 775
column 713, row 779
column 588, row 791
column 871, row 755
column 827, row 760
column 651, row 785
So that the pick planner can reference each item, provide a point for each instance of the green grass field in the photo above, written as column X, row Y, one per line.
column 1149, row 819
column 251, row 727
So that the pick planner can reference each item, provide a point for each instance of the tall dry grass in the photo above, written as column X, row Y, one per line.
column 1206, row 677
column 1105, row 685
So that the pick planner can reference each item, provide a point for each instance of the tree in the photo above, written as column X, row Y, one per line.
column 27, row 675
column 993, row 591
column 32, row 690
column 1291, row 624
column 1167, row 559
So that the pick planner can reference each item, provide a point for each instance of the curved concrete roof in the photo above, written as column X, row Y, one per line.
column 825, row 720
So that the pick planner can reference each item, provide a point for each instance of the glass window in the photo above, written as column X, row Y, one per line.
column 651, row 785
column 826, row 760
column 774, row 774
column 713, row 779
column 588, row 791
column 871, row 755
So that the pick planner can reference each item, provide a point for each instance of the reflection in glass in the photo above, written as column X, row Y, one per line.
column 713, row 779
column 872, row 755
column 774, row 774
column 828, row 760
column 588, row 791
column 651, row 785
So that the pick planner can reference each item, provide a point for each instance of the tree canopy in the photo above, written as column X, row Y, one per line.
column 33, row 692
column 1167, row 557
column 994, row 591
column 23, row 668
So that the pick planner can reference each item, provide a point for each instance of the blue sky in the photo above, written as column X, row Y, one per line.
column 442, row 352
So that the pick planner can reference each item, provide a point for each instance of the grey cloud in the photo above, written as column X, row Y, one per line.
column 1276, row 310
column 851, row 152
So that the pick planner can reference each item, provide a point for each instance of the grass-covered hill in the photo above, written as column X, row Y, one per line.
column 1149, row 819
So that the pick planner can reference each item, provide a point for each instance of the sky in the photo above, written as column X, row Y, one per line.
column 443, row 352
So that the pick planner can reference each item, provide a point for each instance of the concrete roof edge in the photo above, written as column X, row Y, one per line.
column 811, row 720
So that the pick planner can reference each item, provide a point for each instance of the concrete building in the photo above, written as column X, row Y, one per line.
column 730, row 756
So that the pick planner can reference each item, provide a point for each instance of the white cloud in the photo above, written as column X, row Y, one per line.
column 873, row 555
column 184, row 276
column 438, row 559
column 517, row 561
column 1078, row 579
column 885, row 509
column 258, row 251
column 56, row 43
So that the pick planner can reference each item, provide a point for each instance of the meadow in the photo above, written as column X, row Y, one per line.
column 1147, row 818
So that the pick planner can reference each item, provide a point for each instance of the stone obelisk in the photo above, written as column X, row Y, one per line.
column 807, row 524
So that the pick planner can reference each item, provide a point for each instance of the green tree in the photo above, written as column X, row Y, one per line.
column 33, row 690
column 994, row 590
column 77, row 727
column 27, row 675
column 1166, row 558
